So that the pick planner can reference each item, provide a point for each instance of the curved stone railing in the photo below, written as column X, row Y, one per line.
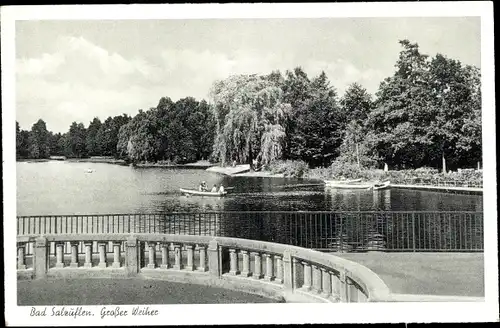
column 274, row 270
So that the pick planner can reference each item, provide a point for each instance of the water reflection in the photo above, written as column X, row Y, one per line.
column 53, row 188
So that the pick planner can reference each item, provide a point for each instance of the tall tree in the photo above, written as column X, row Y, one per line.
column 76, row 141
column 93, row 147
column 55, row 144
column 202, row 125
column 356, row 105
column 250, row 114
column 319, row 134
column 404, row 110
column 296, row 88
column 39, row 143
column 107, row 135
column 456, row 103
column 137, row 138
column 22, row 142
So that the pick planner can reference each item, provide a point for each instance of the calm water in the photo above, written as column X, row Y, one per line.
column 65, row 188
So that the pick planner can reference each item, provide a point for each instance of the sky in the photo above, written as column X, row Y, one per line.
column 76, row 70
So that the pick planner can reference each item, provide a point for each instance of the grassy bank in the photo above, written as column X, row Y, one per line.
column 336, row 171
column 426, row 273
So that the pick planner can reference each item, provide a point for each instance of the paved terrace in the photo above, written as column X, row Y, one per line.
column 126, row 291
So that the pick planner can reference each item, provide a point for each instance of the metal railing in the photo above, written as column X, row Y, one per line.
column 328, row 231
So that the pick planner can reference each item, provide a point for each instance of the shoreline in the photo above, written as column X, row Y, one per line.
column 260, row 174
column 194, row 165
column 243, row 171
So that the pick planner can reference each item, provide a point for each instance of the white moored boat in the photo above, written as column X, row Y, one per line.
column 365, row 186
column 328, row 182
column 202, row 193
column 350, row 185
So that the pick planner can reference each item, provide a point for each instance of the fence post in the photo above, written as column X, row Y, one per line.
column 341, row 234
column 132, row 257
column 214, row 265
column 413, row 227
column 41, row 258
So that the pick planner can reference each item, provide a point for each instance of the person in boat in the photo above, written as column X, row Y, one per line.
column 214, row 188
column 221, row 189
column 203, row 186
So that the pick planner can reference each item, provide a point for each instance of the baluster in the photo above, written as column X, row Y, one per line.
column 335, row 284
column 178, row 257
column 152, row 255
column 343, row 287
column 257, row 272
column 190, row 258
column 269, row 268
column 203, row 258
column 116, row 254
column 88, row 254
column 279, row 269
column 246, row 264
column 352, row 291
column 102, row 254
column 327, row 287
column 295, row 275
column 233, row 262
column 20, row 256
column 74, row 254
column 307, row 276
column 59, row 254
column 316, row 279
column 165, row 262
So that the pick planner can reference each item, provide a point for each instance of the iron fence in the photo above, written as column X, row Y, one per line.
column 333, row 231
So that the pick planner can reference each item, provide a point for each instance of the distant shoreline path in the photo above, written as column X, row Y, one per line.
column 440, row 188
column 243, row 171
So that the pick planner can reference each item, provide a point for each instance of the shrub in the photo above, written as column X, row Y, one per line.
column 294, row 169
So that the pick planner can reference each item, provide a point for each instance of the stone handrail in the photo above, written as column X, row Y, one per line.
column 269, row 269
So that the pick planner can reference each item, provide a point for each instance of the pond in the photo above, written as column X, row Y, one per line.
column 61, row 188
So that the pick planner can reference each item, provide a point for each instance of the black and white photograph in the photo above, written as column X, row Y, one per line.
column 249, row 164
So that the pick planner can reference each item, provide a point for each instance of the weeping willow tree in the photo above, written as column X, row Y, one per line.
column 250, row 116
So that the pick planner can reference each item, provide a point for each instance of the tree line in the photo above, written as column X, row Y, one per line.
column 175, row 132
column 427, row 113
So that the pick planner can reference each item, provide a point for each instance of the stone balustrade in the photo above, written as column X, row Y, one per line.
column 269, row 269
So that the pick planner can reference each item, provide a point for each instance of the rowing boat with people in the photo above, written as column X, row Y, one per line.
column 202, row 193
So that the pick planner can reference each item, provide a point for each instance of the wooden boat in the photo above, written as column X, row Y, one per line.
column 366, row 186
column 328, row 182
column 350, row 186
column 202, row 193
column 383, row 185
